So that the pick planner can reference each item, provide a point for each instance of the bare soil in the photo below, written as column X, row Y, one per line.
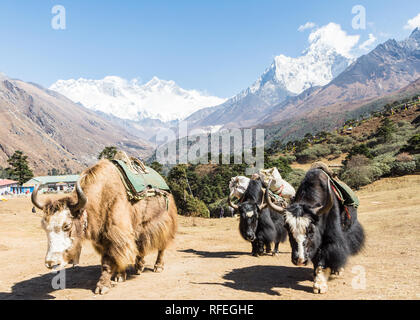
column 209, row 259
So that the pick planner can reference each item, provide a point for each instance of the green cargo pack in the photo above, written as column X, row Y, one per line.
column 138, row 184
column 348, row 196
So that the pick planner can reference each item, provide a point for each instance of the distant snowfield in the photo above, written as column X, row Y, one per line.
column 156, row 99
column 328, row 54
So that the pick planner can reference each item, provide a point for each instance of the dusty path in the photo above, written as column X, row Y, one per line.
column 209, row 260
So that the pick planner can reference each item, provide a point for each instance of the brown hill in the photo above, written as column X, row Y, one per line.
column 55, row 132
column 326, row 119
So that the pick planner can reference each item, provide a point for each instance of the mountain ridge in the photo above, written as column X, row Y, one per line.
column 156, row 99
column 55, row 132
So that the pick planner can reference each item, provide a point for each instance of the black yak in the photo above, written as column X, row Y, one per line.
column 259, row 224
column 317, row 230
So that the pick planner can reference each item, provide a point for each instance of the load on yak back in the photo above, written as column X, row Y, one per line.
column 279, row 187
column 258, row 223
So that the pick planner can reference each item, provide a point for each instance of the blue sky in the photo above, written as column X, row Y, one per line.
column 220, row 47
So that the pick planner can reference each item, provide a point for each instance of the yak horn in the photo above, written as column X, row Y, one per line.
column 81, row 197
column 270, row 202
column 35, row 200
column 234, row 206
column 330, row 202
column 263, row 204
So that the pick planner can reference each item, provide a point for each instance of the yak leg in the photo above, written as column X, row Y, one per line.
column 267, row 247
column 321, row 279
column 255, row 249
column 159, row 261
column 276, row 249
column 140, row 263
column 104, row 283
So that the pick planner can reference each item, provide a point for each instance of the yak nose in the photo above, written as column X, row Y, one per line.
column 301, row 262
column 250, row 236
column 50, row 264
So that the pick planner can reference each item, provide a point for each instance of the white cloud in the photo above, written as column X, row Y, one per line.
column 413, row 23
column 365, row 45
column 307, row 25
column 332, row 35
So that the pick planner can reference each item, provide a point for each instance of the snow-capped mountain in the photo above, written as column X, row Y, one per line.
column 156, row 99
column 320, row 63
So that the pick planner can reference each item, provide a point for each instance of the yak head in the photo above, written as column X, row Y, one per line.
column 250, row 209
column 302, row 220
column 248, row 220
column 64, row 222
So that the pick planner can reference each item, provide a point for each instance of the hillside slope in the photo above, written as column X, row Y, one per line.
column 325, row 119
column 55, row 132
column 388, row 68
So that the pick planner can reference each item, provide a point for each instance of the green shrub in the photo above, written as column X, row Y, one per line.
column 400, row 168
column 413, row 144
column 360, row 149
column 417, row 160
column 386, row 130
column 386, row 148
column 290, row 158
column 360, row 171
column 357, row 177
column 195, row 207
column 313, row 153
column 295, row 177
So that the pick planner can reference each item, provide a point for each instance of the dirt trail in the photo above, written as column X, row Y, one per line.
column 209, row 260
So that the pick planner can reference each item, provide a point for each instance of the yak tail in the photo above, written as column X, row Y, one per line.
column 355, row 237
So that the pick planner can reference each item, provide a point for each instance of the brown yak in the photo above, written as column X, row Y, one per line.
column 122, row 232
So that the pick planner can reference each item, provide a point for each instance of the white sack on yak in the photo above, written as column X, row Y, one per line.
column 279, row 185
column 238, row 186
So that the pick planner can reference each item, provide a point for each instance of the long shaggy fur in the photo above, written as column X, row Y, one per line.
column 267, row 226
column 331, row 242
column 120, row 229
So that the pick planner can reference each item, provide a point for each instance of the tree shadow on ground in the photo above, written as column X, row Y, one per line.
column 216, row 254
column 40, row 287
column 263, row 279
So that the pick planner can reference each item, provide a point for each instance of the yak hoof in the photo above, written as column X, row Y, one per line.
column 320, row 288
column 120, row 277
column 158, row 268
column 275, row 253
column 321, row 279
column 139, row 270
column 338, row 273
column 102, row 289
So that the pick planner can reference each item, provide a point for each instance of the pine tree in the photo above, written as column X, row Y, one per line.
column 108, row 153
column 19, row 167
column 157, row 166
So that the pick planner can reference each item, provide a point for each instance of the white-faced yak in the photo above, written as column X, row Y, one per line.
column 317, row 230
column 121, row 231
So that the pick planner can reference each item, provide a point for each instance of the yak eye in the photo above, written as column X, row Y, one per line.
column 67, row 227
